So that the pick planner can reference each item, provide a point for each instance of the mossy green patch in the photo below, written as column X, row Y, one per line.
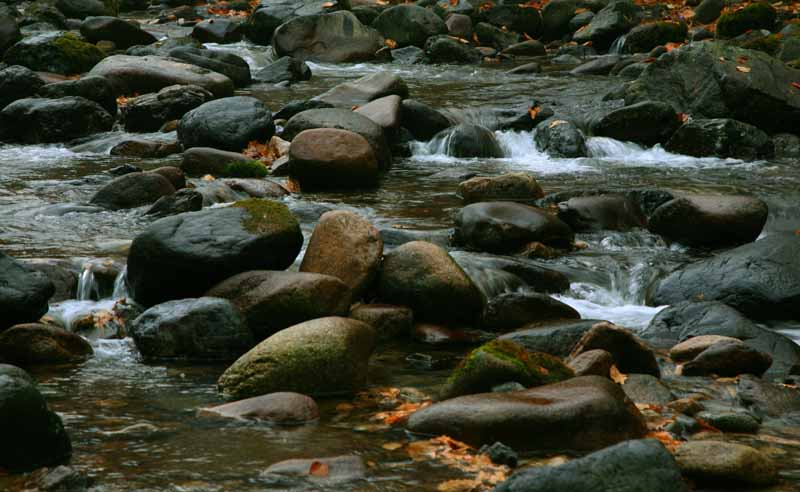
column 79, row 56
column 267, row 216
column 245, row 169
column 754, row 16
column 768, row 44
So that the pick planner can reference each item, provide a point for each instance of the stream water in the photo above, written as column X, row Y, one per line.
column 41, row 216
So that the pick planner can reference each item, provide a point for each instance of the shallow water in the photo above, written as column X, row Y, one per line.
column 170, row 445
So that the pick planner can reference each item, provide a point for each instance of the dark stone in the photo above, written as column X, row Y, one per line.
column 409, row 55
column 592, row 363
column 750, row 18
column 228, row 124
column 423, row 121
column 489, row 35
column 645, row 37
column 514, row 310
column 646, row 123
column 133, row 190
column 16, row 83
column 553, row 337
column 275, row 408
column 767, row 399
column 335, row 38
column 37, row 120
column 294, row 107
column 24, row 293
column 286, row 69
column 468, row 140
column 35, row 344
column 721, row 137
column 602, row 65
column 444, row 49
column 556, row 17
column 601, row 212
column 728, row 359
column 500, row 454
column 80, row 9
column 560, row 138
column 409, row 25
column 630, row 354
column 58, row 52
column 225, row 63
column 365, row 89
column 708, row 11
column 9, row 32
column 607, row 25
column 63, row 273
column 646, row 389
column 218, row 30
column 185, row 200
column 123, row 34
column 91, row 87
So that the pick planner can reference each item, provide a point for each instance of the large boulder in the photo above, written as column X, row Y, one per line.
column 647, row 123
column 760, row 279
column 229, row 123
column 16, row 83
column 149, row 112
column 711, row 462
column 262, row 23
column 425, row 277
column 716, row 80
column 467, row 140
column 632, row 466
column 206, row 328
column 330, row 158
column 560, row 138
column 24, row 292
column 184, row 255
column 35, row 344
column 58, row 52
column 346, row 246
column 615, row 212
column 91, row 87
column 365, row 89
column 132, row 190
column 501, row 227
column 759, row 15
column 707, row 220
column 271, row 301
column 122, row 34
column 583, row 413
column 37, row 120
column 728, row 359
column 721, row 137
column 223, row 62
column 614, row 20
column 324, row 356
column 643, row 38
column 409, row 25
column 37, row 432
column 143, row 74
column 336, row 38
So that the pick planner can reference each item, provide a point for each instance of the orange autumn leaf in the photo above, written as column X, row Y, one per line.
column 673, row 46
column 740, row 68
column 666, row 439
column 391, row 43
column 453, row 2
column 534, row 111
column 683, row 117
column 796, row 85
column 318, row 469
column 327, row 5
column 391, row 446
column 617, row 376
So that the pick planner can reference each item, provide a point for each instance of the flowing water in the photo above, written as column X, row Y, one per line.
column 134, row 425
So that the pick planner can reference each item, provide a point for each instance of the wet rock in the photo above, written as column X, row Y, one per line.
column 409, row 24
column 272, row 300
column 384, row 111
column 556, row 17
column 58, row 52
column 195, row 329
column 721, row 137
column 760, row 279
column 630, row 354
column 500, row 454
column 223, row 62
column 580, row 20
column 179, row 202
column 530, row 47
column 489, row 35
column 139, row 147
column 499, row 362
column 294, row 107
column 437, row 334
column 24, row 292
column 323, row 356
column 365, row 89
column 199, row 161
column 37, row 120
column 133, row 190
column 511, row 187
column 601, row 212
column 80, row 9
column 767, row 399
column 527, row 68
column 228, row 124
column 340, row 469
column 324, row 158
column 37, row 432
column 346, row 246
column 584, row 413
column 552, row 337
column 708, row 11
column 645, row 37
column 647, row 123
column 513, row 310
column 728, row 359
column 35, row 344
column 424, row 277
column 184, row 255
column 143, row 74
column 17, row 82
column 444, row 49
column 468, row 140
column 602, row 65
column 717, row 462
column 410, row 55
column 284, row 69
column 786, row 145
column 707, row 220
column 608, row 24
column 257, row 188
column 123, row 34
column 218, row 30
column 335, row 38
column 63, row 273
column 759, row 96
column 459, row 25
column 9, row 32
column 692, row 347
column 592, row 363
column 750, row 18
column 93, row 88
column 422, row 120
column 276, row 408
column 389, row 321
column 262, row 23
column 147, row 113
column 61, row 479
column 499, row 227
column 731, row 421
column 560, row 138
column 647, row 389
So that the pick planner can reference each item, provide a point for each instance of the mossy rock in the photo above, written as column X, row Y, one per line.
column 245, row 169
column 503, row 361
column 645, row 37
column 267, row 216
column 794, row 64
column 768, row 44
column 59, row 52
column 755, row 16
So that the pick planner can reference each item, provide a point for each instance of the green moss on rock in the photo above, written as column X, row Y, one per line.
column 62, row 53
column 754, row 16
column 245, row 169
column 768, row 44
column 267, row 216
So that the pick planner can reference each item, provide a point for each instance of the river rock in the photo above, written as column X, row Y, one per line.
column 608, row 24
column 560, row 138
column 185, row 200
column 339, row 469
column 143, row 74
column 365, row 89
column 556, row 17
column 17, row 82
column 767, row 399
column 422, row 120
column 80, row 9
column 58, row 52
column 760, row 279
column 334, row 38
column 409, row 24
column 93, row 88
column 762, row 95
column 631, row 355
column 467, row 140
column 123, row 34
column 708, row 11
column 262, row 23
column 721, row 137
column 196, row 329
column 717, row 462
column 494, row 37
column 499, row 362
column 552, row 337
column 184, row 255
column 749, row 18
column 9, row 32
column 425, row 277
column 631, row 466
column 342, row 119
column 459, row 25
column 323, row 356
column 346, row 246
column 218, row 30
column 229, row 124
column 36, row 344
column 707, row 220
column 646, row 389
column 37, row 432
column 601, row 212
column 142, row 148
column 257, row 188
column 272, row 300
column 728, row 359
column 647, row 123
column 133, row 190
column 645, row 37
column 281, row 408
column 384, row 111
column 592, row 363
column 324, row 158
column 223, row 62
column 513, row 310
column 24, row 292
column 445, row 49
column 37, row 120
column 62, row 272
column 388, row 320
column 511, row 187
column 584, row 413
column 284, row 69
column 692, row 347
column 199, row 161
column 736, row 421
column 530, row 47
column 499, row 227
column 149, row 112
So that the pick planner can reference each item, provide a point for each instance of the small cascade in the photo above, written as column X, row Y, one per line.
column 121, row 284
column 618, row 45
column 88, row 288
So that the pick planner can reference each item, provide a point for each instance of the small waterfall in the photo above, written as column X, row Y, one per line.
column 88, row 289
column 618, row 45
column 121, row 284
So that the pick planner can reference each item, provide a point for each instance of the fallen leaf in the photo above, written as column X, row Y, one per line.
column 683, row 117
column 666, row 439
column 208, row 177
column 556, row 123
column 617, row 376
column 328, row 5
column 391, row 446
column 796, row 85
column 743, row 69
column 318, row 469
column 534, row 111
column 391, row 43
column 673, row 46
